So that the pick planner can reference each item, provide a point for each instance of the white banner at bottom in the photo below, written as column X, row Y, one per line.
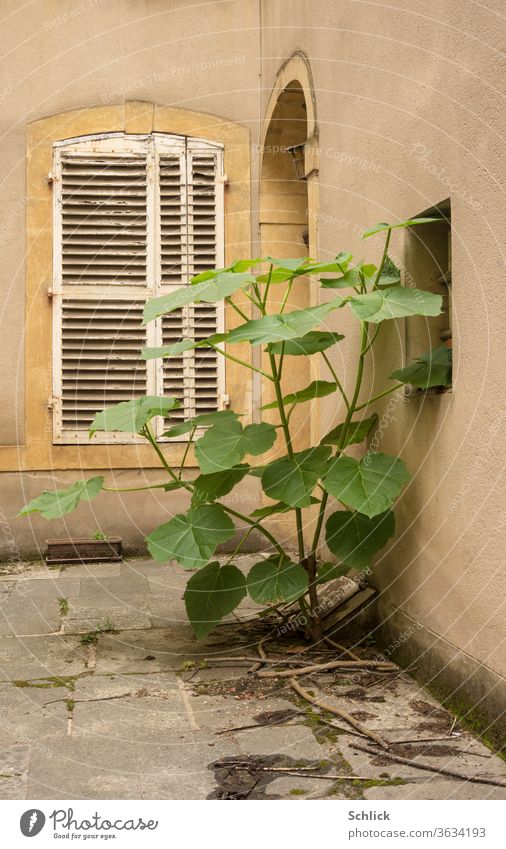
column 248, row 824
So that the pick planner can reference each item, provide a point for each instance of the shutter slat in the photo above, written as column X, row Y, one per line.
column 103, row 204
column 101, row 342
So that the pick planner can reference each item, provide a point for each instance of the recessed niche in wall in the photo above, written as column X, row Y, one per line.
column 428, row 266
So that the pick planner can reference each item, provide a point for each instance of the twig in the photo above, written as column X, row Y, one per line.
column 251, row 727
column 333, row 664
column 299, row 772
column 263, row 656
column 428, row 767
column 341, row 648
column 338, row 712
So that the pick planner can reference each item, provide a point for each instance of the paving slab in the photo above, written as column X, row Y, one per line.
column 29, row 616
column 24, row 658
column 140, row 713
column 14, row 764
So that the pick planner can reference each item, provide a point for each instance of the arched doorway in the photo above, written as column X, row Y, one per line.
column 288, row 187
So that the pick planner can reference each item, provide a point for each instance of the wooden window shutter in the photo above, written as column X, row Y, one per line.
column 133, row 217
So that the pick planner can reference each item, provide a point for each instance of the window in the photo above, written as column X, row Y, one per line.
column 134, row 216
column 428, row 266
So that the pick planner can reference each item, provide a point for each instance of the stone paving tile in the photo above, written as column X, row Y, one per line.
column 38, row 657
column 112, row 590
column 163, row 770
column 31, row 714
column 91, row 570
column 85, row 615
column 139, row 729
column 29, row 616
column 55, row 586
column 14, row 764
column 145, row 651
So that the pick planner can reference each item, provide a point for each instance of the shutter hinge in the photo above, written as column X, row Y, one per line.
column 51, row 401
column 50, row 178
column 50, row 293
column 223, row 179
column 224, row 401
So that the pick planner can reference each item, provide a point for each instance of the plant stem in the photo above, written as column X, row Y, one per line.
column 342, row 442
column 381, row 395
column 336, row 379
column 146, row 431
column 240, row 362
column 237, row 309
column 134, row 488
column 373, row 339
column 240, row 544
column 289, row 448
column 383, row 260
column 286, row 295
column 185, row 455
column 254, row 524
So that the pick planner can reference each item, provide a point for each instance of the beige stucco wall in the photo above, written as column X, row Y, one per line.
column 405, row 94
column 408, row 113
column 87, row 66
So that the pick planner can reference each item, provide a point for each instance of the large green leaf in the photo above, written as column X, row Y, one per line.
column 355, row 538
column 310, row 343
column 369, row 485
column 431, row 369
column 277, row 328
column 276, row 580
column 357, row 432
column 316, row 389
column 353, row 277
column 210, row 291
column 293, row 480
column 390, row 274
column 238, row 266
column 394, row 302
column 180, row 347
column 131, row 416
column 211, row 593
column 210, row 487
column 204, row 420
column 382, row 228
column 226, row 443
column 277, row 507
column 191, row 538
column 52, row 504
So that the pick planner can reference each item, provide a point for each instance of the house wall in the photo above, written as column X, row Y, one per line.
column 89, row 66
column 409, row 113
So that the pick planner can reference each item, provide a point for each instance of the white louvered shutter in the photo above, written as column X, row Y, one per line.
column 134, row 217
column 191, row 212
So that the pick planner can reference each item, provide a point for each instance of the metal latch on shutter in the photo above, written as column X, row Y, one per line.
column 224, row 401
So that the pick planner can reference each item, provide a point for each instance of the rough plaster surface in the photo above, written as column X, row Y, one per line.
column 127, row 716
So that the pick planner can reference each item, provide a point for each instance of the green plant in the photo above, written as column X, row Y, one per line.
column 365, row 489
column 63, row 605
column 91, row 637
column 100, row 536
